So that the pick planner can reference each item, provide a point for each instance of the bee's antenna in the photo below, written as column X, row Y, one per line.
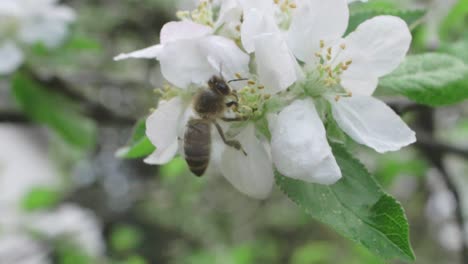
column 238, row 80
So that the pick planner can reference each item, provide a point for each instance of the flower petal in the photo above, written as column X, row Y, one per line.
column 172, row 31
column 277, row 68
column 223, row 54
column 251, row 174
column 256, row 22
column 162, row 128
column 371, row 122
column 147, row 53
column 12, row 57
column 45, row 23
column 315, row 20
column 299, row 145
column 195, row 61
column 182, row 30
column 163, row 156
column 376, row 48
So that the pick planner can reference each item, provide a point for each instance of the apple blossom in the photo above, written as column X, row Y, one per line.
column 30, row 22
column 300, row 69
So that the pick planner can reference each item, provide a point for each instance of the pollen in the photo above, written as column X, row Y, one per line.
column 250, row 82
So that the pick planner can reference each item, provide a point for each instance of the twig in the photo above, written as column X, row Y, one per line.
column 432, row 153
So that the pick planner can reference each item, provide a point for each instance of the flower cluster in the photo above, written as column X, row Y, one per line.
column 301, row 71
column 30, row 22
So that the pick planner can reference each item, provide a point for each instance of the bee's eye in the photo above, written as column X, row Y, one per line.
column 223, row 88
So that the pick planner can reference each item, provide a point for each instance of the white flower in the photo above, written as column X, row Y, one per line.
column 189, row 53
column 336, row 68
column 30, row 22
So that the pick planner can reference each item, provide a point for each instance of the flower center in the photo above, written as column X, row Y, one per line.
column 285, row 15
column 325, row 78
column 203, row 14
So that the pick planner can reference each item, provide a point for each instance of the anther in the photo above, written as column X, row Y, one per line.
column 337, row 98
column 250, row 82
column 349, row 62
column 322, row 44
column 292, row 5
column 238, row 75
column 261, row 87
column 238, row 28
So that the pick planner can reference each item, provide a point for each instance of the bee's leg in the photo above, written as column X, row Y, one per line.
column 231, row 143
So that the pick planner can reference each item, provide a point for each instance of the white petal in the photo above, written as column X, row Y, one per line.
column 265, row 5
column 277, row 68
column 195, row 61
column 371, row 122
column 147, row 53
column 315, row 20
column 256, row 22
column 162, row 128
column 163, row 156
column 183, row 63
column 251, row 174
column 223, row 54
column 11, row 58
column 327, row 172
column 299, row 145
column 376, row 48
column 45, row 23
column 180, row 30
column 230, row 12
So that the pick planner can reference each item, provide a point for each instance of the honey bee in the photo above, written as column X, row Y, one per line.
column 210, row 104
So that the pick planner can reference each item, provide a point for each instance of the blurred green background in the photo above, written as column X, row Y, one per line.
column 59, row 173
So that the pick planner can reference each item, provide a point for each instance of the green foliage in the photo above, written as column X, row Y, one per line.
column 432, row 79
column 68, row 253
column 125, row 238
column 455, row 22
column 175, row 168
column 40, row 198
column 356, row 207
column 411, row 17
column 139, row 146
column 313, row 253
column 393, row 165
column 57, row 112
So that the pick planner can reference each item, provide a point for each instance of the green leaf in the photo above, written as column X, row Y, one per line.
column 40, row 198
column 139, row 146
column 411, row 17
column 356, row 207
column 432, row 79
column 125, row 238
column 54, row 110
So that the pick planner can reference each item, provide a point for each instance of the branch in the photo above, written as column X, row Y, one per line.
column 430, row 149
column 430, row 144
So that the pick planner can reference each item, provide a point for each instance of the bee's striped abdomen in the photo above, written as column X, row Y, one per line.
column 197, row 145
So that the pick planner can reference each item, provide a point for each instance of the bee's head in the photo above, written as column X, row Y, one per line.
column 219, row 85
